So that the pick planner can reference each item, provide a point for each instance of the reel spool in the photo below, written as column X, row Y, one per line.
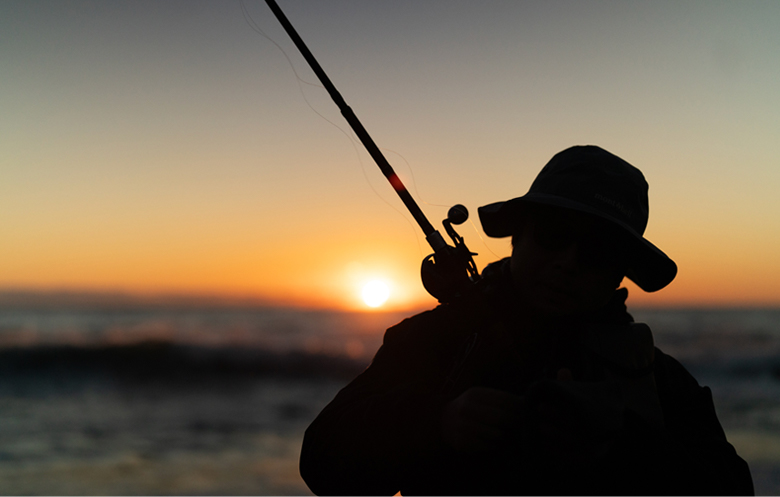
column 450, row 272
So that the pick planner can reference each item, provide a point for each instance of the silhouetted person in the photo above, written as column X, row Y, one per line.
column 541, row 383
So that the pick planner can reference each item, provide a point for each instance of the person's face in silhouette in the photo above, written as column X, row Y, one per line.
column 565, row 261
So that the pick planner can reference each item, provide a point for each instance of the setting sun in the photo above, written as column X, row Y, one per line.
column 375, row 293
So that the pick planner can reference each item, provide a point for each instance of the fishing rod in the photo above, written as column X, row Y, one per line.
column 450, row 270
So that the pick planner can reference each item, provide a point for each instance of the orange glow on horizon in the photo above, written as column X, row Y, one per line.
column 333, row 275
column 187, row 162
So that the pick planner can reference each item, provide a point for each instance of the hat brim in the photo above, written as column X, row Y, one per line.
column 651, row 269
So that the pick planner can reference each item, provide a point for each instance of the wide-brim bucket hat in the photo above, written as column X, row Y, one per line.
column 591, row 180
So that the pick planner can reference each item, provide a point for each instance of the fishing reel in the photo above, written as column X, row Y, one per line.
column 450, row 272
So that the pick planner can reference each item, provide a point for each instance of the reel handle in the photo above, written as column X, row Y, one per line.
column 450, row 272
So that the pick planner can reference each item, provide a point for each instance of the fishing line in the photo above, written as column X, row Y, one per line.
column 256, row 28
column 352, row 140
column 414, row 181
column 481, row 239
column 414, row 185
column 449, row 273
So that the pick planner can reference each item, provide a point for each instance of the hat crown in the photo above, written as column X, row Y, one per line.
column 600, row 180
column 591, row 180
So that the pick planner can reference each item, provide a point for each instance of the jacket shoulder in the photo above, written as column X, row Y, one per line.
column 428, row 329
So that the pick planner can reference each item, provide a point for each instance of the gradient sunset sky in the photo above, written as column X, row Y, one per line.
column 166, row 147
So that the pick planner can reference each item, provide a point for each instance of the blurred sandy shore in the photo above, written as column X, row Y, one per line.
column 96, row 438
column 192, row 402
column 272, row 469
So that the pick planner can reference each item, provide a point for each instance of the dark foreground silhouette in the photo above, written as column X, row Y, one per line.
column 538, row 381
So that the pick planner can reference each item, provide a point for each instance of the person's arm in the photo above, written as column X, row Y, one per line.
column 687, row 455
column 691, row 455
column 586, row 429
column 388, row 417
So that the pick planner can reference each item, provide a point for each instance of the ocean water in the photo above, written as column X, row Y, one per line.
column 180, row 401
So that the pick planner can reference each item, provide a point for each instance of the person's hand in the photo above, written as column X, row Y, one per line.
column 482, row 419
column 574, row 420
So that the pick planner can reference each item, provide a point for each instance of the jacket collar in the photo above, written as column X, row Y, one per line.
column 498, row 286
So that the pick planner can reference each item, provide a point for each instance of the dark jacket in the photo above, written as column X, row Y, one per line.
column 381, row 434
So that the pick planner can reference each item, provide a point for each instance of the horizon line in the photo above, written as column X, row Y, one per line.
column 73, row 299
